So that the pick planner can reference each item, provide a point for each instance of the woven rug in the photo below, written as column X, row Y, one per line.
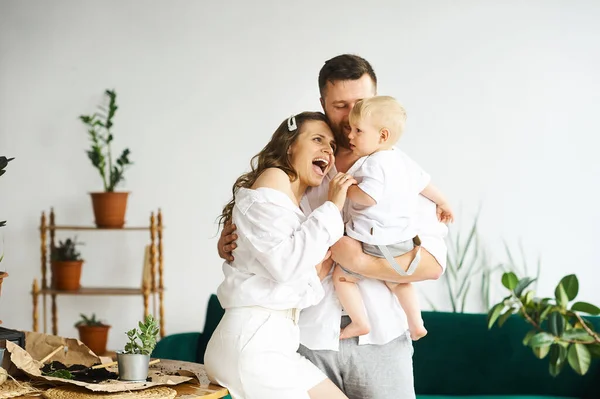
column 13, row 389
column 74, row 392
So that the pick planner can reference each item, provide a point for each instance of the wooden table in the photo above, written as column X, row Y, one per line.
column 194, row 391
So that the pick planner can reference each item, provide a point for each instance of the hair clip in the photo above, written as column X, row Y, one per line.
column 292, row 123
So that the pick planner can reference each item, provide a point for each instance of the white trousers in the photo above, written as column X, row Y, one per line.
column 253, row 353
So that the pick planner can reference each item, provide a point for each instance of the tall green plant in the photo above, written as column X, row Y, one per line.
column 520, row 266
column 99, row 126
column 467, row 262
column 559, row 331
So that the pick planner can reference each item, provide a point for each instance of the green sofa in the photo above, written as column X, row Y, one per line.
column 459, row 358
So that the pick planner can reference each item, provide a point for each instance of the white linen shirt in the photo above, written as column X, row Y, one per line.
column 320, row 324
column 277, row 250
column 394, row 181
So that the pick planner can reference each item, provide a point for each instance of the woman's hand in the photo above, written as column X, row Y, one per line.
column 325, row 266
column 338, row 189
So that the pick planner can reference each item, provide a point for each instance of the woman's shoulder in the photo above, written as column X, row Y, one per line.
column 272, row 186
column 274, row 178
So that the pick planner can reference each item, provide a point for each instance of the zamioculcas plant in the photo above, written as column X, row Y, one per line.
column 109, row 206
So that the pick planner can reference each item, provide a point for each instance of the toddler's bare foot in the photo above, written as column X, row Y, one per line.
column 417, row 332
column 354, row 330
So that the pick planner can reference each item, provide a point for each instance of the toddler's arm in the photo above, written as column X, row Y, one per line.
column 434, row 194
column 359, row 196
column 444, row 212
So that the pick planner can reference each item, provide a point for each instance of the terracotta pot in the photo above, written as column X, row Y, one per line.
column 94, row 337
column 66, row 275
column 110, row 208
column 3, row 275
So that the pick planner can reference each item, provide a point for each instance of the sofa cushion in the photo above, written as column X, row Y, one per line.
column 182, row 346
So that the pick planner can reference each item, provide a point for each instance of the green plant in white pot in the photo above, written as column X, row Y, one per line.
column 110, row 205
column 133, row 361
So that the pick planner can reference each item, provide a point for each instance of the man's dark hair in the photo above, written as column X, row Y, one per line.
column 344, row 67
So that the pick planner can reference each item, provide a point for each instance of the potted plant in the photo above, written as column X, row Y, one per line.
column 133, row 361
column 93, row 333
column 109, row 206
column 559, row 331
column 3, row 163
column 66, row 265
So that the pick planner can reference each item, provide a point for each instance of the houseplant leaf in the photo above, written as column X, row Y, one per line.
column 562, row 299
column 510, row 280
column 556, row 323
column 577, row 334
column 541, row 339
column 585, row 307
column 557, row 359
column 494, row 313
column 570, row 285
column 502, row 319
column 528, row 337
column 541, row 351
column 579, row 358
column 523, row 283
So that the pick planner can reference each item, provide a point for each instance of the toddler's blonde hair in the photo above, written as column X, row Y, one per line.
column 383, row 112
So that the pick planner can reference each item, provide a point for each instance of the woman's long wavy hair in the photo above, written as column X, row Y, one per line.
column 273, row 155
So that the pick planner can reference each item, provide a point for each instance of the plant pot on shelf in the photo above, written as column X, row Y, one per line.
column 66, row 275
column 94, row 337
column 132, row 366
column 109, row 208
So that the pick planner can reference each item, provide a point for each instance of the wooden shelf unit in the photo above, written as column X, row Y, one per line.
column 154, row 289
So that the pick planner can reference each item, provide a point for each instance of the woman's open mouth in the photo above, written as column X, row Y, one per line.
column 320, row 166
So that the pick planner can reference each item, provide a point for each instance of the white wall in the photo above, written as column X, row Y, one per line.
column 502, row 101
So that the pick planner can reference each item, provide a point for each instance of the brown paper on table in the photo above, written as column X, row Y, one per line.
column 39, row 345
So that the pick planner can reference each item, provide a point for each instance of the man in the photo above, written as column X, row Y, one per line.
column 379, row 364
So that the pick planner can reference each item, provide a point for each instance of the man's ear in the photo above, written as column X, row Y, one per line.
column 384, row 135
column 322, row 103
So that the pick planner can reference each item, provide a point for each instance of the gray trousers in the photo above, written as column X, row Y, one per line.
column 368, row 371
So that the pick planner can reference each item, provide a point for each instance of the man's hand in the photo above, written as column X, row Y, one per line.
column 444, row 213
column 226, row 243
column 348, row 253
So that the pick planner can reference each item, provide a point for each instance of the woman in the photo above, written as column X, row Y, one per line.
column 280, row 258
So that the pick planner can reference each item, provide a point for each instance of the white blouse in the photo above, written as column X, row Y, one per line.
column 277, row 250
